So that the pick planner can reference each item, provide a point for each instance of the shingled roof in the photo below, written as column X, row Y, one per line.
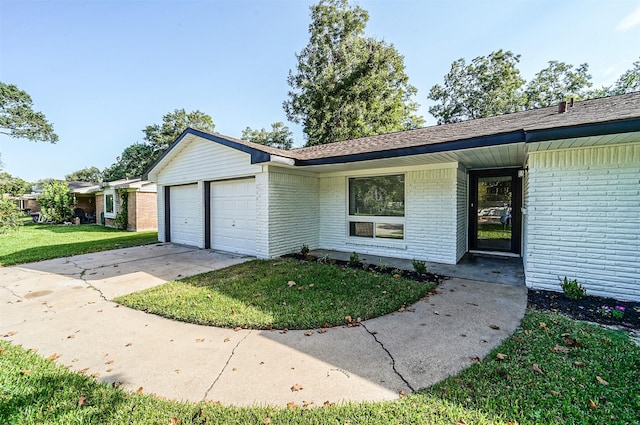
column 607, row 115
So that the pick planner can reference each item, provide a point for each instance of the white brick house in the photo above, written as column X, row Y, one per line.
column 559, row 189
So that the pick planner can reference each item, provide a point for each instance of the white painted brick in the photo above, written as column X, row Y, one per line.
column 583, row 219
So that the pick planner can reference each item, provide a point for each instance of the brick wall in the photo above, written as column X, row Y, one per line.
column 143, row 211
column 583, row 219
column 99, row 207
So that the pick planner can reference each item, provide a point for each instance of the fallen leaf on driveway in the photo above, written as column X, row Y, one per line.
column 291, row 405
column 139, row 391
column 536, row 368
column 109, row 362
column 227, row 339
column 128, row 345
column 402, row 393
column 475, row 359
column 327, row 403
column 82, row 371
column 495, row 327
column 96, row 374
column 12, row 333
column 199, row 339
column 601, row 381
column 71, row 336
column 53, row 356
column 308, row 333
column 296, row 387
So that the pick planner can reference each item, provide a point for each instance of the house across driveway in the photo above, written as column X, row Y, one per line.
column 62, row 307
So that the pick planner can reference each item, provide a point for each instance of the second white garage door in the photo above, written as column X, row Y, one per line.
column 233, row 216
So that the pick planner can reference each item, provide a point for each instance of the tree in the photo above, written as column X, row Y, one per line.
column 628, row 82
column 19, row 120
column 279, row 137
column 56, row 202
column 89, row 174
column 161, row 136
column 489, row 85
column 13, row 186
column 556, row 83
column 133, row 162
column 347, row 85
column 10, row 216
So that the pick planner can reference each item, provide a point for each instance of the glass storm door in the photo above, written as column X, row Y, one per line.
column 494, row 210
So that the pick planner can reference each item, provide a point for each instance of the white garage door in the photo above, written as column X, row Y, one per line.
column 233, row 216
column 185, row 218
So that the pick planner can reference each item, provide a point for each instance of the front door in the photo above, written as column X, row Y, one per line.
column 495, row 199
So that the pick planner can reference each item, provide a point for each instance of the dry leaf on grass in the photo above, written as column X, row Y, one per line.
column 139, row 391
column 25, row 372
column 291, row 405
column 592, row 405
column 501, row 356
column 266, row 421
column 291, row 283
column 579, row 364
column 81, row 401
column 560, row 349
column 536, row 368
column 601, row 381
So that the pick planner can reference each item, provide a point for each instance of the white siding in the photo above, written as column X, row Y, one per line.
column 431, row 217
column 202, row 160
column 583, row 219
column 262, row 215
column 461, row 213
column 293, row 212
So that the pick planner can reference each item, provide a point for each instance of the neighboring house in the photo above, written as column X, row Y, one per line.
column 559, row 187
column 28, row 203
column 84, row 200
column 142, row 213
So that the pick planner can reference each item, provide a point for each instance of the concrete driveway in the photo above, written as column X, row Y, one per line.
column 62, row 307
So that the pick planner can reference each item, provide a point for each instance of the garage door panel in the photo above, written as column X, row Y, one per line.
column 233, row 216
column 184, row 217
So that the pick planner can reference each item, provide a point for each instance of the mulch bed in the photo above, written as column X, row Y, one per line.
column 585, row 309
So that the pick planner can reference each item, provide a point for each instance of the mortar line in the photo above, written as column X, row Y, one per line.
column 393, row 360
column 233, row 352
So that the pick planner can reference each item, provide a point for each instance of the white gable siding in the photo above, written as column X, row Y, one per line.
column 461, row 213
column 431, row 217
column 583, row 219
column 202, row 160
column 293, row 212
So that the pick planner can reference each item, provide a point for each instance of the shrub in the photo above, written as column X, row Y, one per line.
column 419, row 266
column 304, row 250
column 354, row 259
column 10, row 216
column 572, row 289
column 56, row 201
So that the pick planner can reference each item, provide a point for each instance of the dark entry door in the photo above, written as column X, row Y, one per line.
column 495, row 198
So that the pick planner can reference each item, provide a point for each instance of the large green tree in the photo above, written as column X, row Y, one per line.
column 133, row 162
column 347, row 85
column 88, row 174
column 56, row 201
column 13, row 186
column 160, row 136
column 628, row 82
column 556, row 83
column 489, row 85
column 19, row 120
column 279, row 137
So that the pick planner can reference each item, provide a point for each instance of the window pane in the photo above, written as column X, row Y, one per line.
column 377, row 196
column 362, row 229
column 391, row 231
column 108, row 201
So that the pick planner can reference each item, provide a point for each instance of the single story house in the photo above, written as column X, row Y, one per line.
column 141, row 203
column 558, row 186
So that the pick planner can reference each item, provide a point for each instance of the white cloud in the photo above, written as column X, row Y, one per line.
column 630, row 21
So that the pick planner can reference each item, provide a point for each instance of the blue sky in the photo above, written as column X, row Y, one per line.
column 103, row 70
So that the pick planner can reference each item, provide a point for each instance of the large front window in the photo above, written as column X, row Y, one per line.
column 376, row 207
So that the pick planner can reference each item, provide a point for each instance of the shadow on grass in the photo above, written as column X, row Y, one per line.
column 47, row 252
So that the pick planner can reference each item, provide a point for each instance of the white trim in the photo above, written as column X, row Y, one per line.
column 382, row 171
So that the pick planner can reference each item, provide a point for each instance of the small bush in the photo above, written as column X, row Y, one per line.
column 10, row 217
column 419, row 266
column 354, row 259
column 304, row 250
column 572, row 289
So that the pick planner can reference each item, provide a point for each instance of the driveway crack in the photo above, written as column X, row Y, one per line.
column 233, row 352
column 11, row 292
column 393, row 360
column 82, row 277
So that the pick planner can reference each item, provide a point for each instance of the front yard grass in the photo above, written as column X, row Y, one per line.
column 280, row 294
column 553, row 370
column 36, row 242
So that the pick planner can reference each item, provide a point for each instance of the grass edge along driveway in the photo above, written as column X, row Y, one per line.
column 279, row 294
column 37, row 242
column 552, row 370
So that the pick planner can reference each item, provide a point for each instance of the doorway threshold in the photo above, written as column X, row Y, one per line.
column 494, row 253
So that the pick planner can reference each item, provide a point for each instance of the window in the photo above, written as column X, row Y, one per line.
column 110, row 207
column 376, row 207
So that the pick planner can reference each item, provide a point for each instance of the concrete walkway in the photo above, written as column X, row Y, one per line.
column 62, row 307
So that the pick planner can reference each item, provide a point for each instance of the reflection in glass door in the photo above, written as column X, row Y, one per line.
column 494, row 213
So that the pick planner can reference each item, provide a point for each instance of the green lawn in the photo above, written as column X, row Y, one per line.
column 261, row 294
column 554, row 371
column 493, row 231
column 36, row 242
